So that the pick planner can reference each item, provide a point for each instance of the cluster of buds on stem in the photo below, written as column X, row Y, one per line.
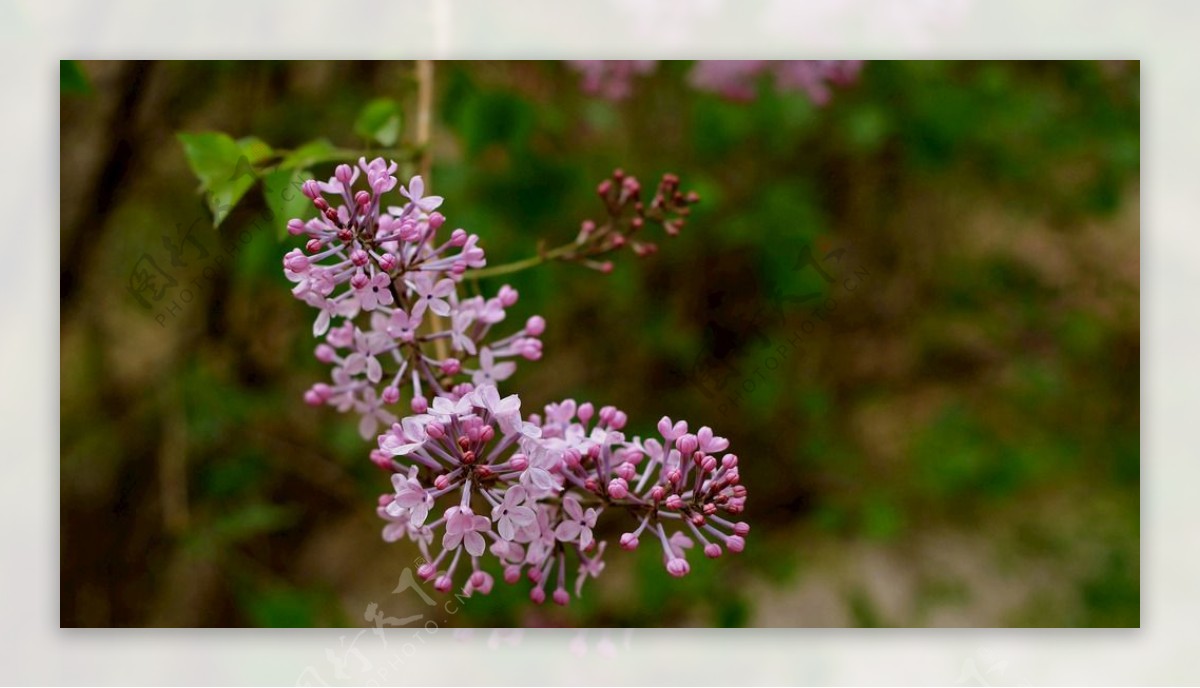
column 628, row 214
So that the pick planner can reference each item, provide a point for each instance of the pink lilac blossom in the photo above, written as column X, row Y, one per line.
column 733, row 79
column 476, row 483
column 546, row 480
column 611, row 79
column 737, row 79
column 376, row 276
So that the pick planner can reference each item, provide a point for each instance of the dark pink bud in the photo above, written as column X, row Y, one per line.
column 657, row 493
column 458, row 238
column 561, row 598
column 729, row 461
column 628, row 541
column 603, row 188
column 451, row 366
column 310, row 189
column 735, row 543
column 359, row 257
column 508, row 296
column 519, row 462
column 626, row 471
column 606, row 414
column 535, row 326
column 313, row 245
column 585, row 411
column 363, row 199
column 426, row 571
column 512, row 574
column 678, row 567
column 382, row 460
column 295, row 227
column 618, row 488
column 343, row 173
column 443, row 584
column 486, row 434
column 709, row 464
column 712, row 550
column 537, row 594
column 419, row 405
column 321, row 204
column 619, row 420
column 741, row 528
column 441, row 482
column 359, row 280
column 332, row 216
column 391, row 395
column 388, row 262
column 325, row 353
column 436, row 220
column 296, row 261
column 674, row 502
column 686, row 444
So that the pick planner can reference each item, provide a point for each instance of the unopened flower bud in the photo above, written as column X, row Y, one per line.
column 535, row 326
column 508, row 296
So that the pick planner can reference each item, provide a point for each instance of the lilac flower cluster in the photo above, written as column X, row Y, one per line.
column 733, row 79
column 545, row 480
column 365, row 257
column 611, row 79
column 475, row 481
column 736, row 79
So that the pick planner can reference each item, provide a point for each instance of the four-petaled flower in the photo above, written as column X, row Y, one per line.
column 576, row 523
column 463, row 526
column 376, row 292
column 403, row 326
column 431, row 295
column 512, row 514
column 410, row 498
column 415, row 193
column 490, row 372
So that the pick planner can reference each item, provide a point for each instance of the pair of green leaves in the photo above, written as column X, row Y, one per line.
column 229, row 168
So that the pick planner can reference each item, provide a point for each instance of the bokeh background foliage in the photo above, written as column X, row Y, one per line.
column 957, row 443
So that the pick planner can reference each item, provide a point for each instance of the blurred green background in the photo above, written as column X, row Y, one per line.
column 958, row 443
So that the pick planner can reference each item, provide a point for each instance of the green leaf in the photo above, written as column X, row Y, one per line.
column 309, row 154
column 380, row 120
column 225, row 167
column 281, row 190
column 72, row 78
